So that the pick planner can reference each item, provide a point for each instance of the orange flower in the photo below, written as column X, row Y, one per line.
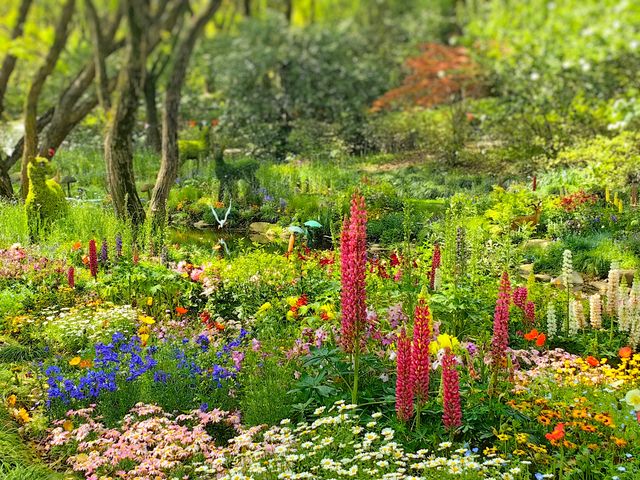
column 557, row 434
column 76, row 246
column 532, row 335
column 594, row 362
column 181, row 310
column 541, row 339
column 219, row 326
column 625, row 352
column 85, row 260
column 86, row 363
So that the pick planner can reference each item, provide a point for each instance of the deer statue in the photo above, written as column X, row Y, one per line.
column 532, row 219
column 229, row 174
column 196, row 149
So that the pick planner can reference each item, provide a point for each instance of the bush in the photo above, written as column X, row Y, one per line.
column 272, row 76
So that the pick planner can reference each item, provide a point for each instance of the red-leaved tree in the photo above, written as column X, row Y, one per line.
column 440, row 74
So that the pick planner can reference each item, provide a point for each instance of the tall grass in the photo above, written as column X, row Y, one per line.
column 82, row 222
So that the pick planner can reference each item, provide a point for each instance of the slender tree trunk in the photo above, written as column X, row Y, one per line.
column 170, row 159
column 31, row 104
column 288, row 13
column 118, row 145
column 246, row 8
column 100, row 52
column 153, row 138
column 9, row 62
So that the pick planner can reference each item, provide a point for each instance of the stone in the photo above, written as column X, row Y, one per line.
column 576, row 279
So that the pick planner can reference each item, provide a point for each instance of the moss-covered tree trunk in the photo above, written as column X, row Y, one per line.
column 118, row 144
column 29, row 150
column 170, row 155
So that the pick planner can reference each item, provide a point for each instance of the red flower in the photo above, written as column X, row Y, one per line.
column 71, row 277
column 420, row 361
column 181, row 310
column 532, row 335
column 51, row 152
column 625, row 352
column 435, row 264
column 404, row 384
column 592, row 361
column 541, row 339
column 500, row 339
column 353, row 265
column 557, row 434
column 452, row 411
column 93, row 258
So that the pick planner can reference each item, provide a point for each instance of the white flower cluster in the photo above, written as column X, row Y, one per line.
column 86, row 325
column 342, row 445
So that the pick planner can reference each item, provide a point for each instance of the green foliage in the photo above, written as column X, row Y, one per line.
column 45, row 201
column 264, row 73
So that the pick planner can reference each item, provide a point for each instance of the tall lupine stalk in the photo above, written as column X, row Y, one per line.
column 104, row 252
column 404, row 385
column 93, row 258
column 353, row 262
column 420, row 360
column 500, row 339
column 595, row 311
column 520, row 297
column 71, row 277
column 435, row 264
column 530, row 312
column 451, row 409
column 613, row 283
column 567, row 282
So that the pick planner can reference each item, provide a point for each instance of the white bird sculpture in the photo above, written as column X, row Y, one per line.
column 222, row 222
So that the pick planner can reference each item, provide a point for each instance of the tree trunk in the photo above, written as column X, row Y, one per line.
column 246, row 8
column 100, row 52
column 9, row 62
column 170, row 158
column 153, row 139
column 31, row 104
column 288, row 13
column 118, row 144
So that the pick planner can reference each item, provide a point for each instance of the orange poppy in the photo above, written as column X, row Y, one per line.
column 85, row 260
column 181, row 310
column 532, row 335
column 76, row 246
column 219, row 326
column 557, row 434
column 541, row 339
column 625, row 352
column 592, row 361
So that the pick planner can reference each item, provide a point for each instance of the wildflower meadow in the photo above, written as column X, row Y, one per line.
column 330, row 239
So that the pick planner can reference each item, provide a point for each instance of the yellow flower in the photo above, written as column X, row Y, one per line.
column 144, row 338
column 75, row 361
column 148, row 320
column 265, row 306
column 11, row 400
column 633, row 399
column 444, row 341
column 67, row 425
column 22, row 415
column 149, row 301
column 503, row 437
column 291, row 301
